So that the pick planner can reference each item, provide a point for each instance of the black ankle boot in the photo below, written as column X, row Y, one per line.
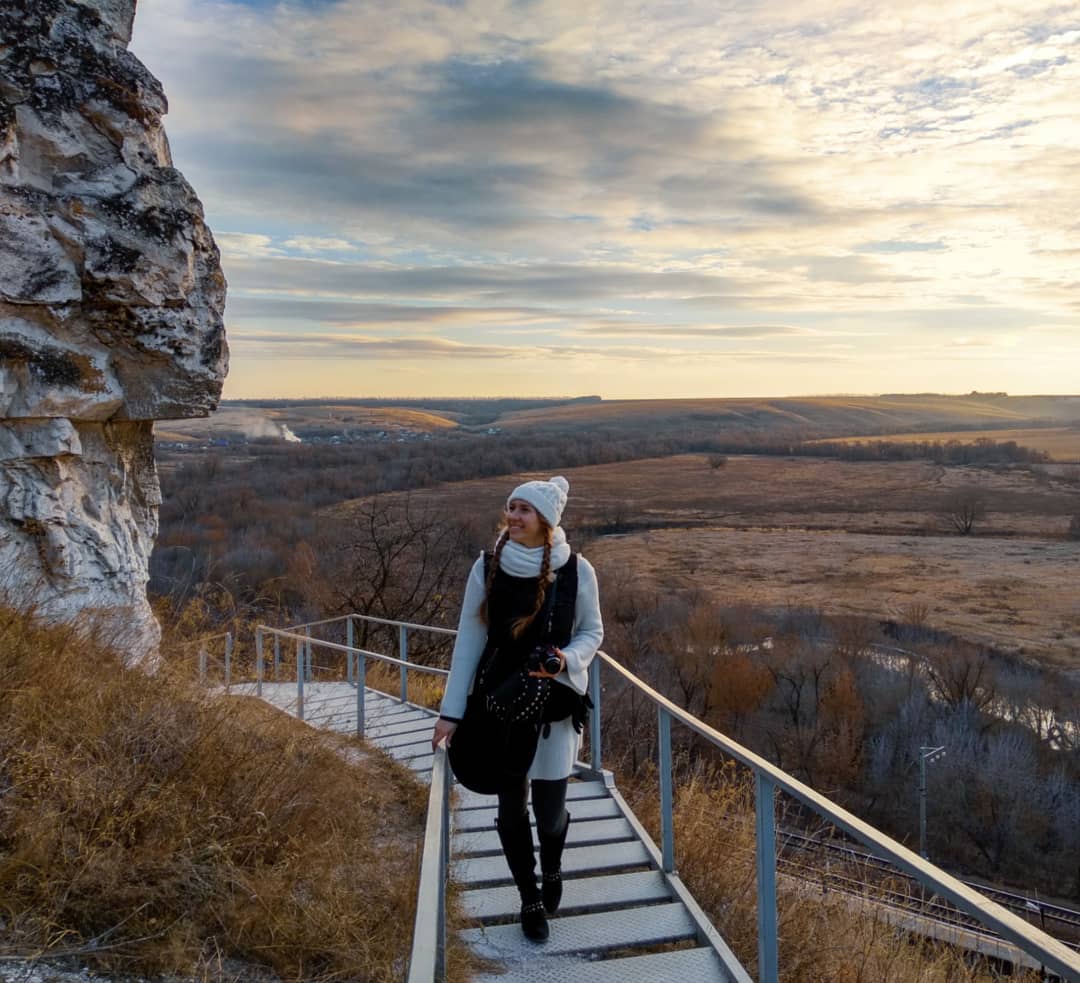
column 517, row 844
column 551, row 850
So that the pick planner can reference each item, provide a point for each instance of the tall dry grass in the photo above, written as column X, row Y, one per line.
column 148, row 827
column 823, row 938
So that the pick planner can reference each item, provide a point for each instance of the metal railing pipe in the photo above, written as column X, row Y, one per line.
column 595, row 751
column 300, row 673
column 765, row 837
column 338, row 647
column 667, row 816
column 349, row 639
column 259, row 668
column 427, row 961
column 403, row 654
column 277, row 657
column 361, row 686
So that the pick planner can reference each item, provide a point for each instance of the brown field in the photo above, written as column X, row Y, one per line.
column 1061, row 443
column 856, row 414
column 862, row 538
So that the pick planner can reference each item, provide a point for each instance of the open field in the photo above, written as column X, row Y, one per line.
column 821, row 416
column 836, row 414
column 863, row 538
column 1061, row 443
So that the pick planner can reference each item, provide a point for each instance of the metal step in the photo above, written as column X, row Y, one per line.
column 585, row 934
column 467, row 799
column 374, row 729
column 476, row 843
column 491, row 871
column 582, row 810
column 687, row 965
column 581, row 895
column 390, row 741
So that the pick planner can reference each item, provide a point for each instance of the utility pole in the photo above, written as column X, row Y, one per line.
column 926, row 754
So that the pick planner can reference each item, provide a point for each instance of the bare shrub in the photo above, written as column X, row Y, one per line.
column 960, row 674
column 964, row 507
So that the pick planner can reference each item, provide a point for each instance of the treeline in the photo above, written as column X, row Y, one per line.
column 983, row 450
column 843, row 708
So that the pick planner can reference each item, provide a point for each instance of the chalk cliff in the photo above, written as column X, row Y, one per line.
column 111, row 300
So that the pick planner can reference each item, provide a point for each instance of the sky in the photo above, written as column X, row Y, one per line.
column 634, row 200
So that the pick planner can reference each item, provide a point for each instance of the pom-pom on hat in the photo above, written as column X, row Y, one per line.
column 547, row 497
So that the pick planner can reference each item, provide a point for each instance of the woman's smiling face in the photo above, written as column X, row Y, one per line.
column 524, row 524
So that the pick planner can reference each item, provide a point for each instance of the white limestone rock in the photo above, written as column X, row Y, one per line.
column 111, row 301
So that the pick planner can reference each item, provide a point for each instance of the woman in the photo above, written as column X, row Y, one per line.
column 531, row 590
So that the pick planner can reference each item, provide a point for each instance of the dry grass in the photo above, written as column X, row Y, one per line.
column 822, row 939
column 145, row 827
column 424, row 689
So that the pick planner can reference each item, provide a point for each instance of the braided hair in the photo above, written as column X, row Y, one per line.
column 520, row 624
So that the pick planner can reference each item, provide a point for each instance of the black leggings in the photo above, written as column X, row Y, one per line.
column 548, row 802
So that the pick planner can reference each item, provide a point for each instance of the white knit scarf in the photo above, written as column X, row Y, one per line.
column 525, row 561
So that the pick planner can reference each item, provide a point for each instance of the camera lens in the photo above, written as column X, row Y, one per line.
column 552, row 662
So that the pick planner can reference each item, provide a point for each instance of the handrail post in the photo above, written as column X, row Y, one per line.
column 361, row 692
column 444, row 863
column 765, row 821
column 277, row 657
column 403, row 654
column 349, row 643
column 258, row 661
column 228, row 658
column 300, row 673
column 309, row 662
column 667, row 815
column 202, row 664
column 427, row 960
column 594, row 721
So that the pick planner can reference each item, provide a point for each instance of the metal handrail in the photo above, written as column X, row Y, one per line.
column 427, row 960
column 1048, row 951
column 355, row 658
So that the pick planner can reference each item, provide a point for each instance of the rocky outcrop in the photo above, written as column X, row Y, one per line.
column 111, row 300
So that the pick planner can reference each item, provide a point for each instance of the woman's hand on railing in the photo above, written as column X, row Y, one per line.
column 444, row 730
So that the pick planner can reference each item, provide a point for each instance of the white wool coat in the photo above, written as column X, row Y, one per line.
column 556, row 753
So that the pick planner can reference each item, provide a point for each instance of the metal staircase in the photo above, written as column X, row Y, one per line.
column 626, row 913
column 616, row 898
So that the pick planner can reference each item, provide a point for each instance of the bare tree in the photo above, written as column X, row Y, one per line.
column 391, row 558
column 964, row 507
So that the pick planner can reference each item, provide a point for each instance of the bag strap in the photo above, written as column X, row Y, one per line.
column 549, row 606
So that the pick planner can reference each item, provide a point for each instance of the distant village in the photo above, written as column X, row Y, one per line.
column 398, row 435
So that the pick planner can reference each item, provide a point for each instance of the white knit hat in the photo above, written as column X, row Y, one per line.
column 547, row 497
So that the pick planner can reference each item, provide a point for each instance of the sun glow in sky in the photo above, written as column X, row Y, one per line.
column 701, row 198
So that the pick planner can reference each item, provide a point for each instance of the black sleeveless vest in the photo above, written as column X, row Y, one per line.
column 514, row 597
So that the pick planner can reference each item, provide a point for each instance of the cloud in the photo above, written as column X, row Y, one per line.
column 718, row 333
column 671, row 171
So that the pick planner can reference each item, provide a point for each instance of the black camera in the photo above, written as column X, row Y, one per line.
column 544, row 657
